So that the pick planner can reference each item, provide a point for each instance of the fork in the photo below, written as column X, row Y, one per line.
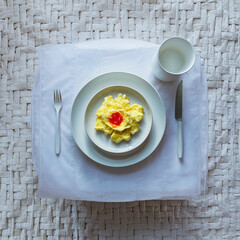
column 58, row 107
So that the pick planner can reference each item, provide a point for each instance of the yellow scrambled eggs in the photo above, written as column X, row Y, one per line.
column 118, row 118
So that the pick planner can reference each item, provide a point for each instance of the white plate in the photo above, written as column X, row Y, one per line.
column 99, row 138
column 118, row 79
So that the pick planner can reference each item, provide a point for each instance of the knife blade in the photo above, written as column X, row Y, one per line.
column 178, row 117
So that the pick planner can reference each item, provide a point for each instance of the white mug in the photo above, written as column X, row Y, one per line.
column 175, row 57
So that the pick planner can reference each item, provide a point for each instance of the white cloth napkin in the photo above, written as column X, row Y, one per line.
column 72, row 175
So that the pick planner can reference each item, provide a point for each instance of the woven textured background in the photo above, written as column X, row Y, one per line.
column 212, row 27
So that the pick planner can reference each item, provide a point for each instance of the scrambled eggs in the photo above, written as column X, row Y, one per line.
column 118, row 118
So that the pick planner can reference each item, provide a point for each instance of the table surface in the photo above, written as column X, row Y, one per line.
column 213, row 29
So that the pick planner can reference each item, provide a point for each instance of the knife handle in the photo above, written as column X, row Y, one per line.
column 180, row 139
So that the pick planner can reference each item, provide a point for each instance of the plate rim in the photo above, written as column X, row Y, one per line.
column 145, row 137
column 108, row 161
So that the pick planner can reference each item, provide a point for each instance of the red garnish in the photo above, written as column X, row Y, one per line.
column 116, row 119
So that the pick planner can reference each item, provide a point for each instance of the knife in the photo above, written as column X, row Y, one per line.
column 178, row 116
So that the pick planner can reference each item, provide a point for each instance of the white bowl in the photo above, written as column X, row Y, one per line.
column 104, row 142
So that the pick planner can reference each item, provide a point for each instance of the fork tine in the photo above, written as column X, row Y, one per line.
column 60, row 95
column 57, row 96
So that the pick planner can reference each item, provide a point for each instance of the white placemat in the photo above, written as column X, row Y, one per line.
column 72, row 175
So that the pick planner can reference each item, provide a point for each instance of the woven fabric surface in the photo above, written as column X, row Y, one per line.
column 211, row 26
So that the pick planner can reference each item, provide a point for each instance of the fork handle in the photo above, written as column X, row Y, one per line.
column 57, row 135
